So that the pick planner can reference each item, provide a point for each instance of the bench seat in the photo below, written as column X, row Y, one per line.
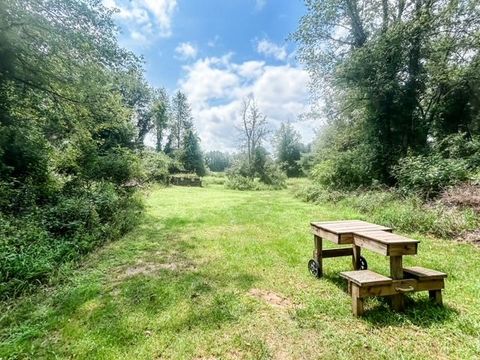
column 365, row 277
column 427, row 279
column 421, row 273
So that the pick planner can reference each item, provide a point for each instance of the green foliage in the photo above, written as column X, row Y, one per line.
column 68, row 142
column 217, row 161
column 156, row 166
column 428, row 175
column 454, row 159
column 270, row 176
column 391, row 83
column 33, row 246
column 288, row 150
column 191, row 155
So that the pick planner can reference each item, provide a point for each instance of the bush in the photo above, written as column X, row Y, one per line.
column 270, row 177
column 34, row 245
column 347, row 170
column 428, row 175
column 155, row 166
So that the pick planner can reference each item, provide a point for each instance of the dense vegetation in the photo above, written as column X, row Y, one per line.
column 400, row 87
column 74, row 113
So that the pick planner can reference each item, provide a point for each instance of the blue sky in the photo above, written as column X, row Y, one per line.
column 218, row 52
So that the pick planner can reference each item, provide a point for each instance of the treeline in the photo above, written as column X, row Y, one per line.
column 253, row 167
column 398, row 84
column 75, row 111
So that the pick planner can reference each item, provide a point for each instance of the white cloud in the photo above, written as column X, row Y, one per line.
column 269, row 48
column 260, row 4
column 216, row 86
column 144, row 19
column 213, row 42
column 163, row 11
column 186, row 50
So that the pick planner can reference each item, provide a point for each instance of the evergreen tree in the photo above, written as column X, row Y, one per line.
column 191, row 156
column 160, row 116
column 288, row 149
column 181, row 121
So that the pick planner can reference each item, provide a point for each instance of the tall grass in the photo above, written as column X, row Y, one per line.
column 409, row 213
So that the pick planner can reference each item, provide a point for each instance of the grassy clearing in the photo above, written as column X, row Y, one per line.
column 215, row 273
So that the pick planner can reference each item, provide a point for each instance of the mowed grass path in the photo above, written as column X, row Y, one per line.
column 213, row 273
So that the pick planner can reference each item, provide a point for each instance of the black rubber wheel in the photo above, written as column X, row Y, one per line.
column 313, row 268
column 363, row 263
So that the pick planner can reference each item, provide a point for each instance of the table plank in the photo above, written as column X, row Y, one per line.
column 385, row 237
column 385, row 243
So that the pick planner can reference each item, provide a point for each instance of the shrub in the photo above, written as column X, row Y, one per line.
column 34, row 245
column 270, row 177
column 347, row 170
column 155, row 166
column 239, row 182
column 428, row 175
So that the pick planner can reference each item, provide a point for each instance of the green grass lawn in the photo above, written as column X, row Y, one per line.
column 213, row 273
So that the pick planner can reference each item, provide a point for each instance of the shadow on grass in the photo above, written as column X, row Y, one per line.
column 419, row 310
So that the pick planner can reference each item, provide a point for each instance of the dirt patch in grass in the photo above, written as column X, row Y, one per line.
column 274, row 299
column 151, row 269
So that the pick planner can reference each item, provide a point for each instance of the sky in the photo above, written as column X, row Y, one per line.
column 218, row 52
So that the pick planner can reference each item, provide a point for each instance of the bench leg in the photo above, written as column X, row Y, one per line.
column 436, row 296
column 357, row 302
column 318, row 254
column 396, row 273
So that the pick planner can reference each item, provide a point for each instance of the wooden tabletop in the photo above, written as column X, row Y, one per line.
column 385, row 243
column 347, row 226
column 341, row 232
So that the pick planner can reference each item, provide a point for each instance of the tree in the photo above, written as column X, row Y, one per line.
column 181, row 120
column 217, row 160
column 392, row 73
column 253, row 128
column 67, row 139
column 160, row 115
column 288, row 149
column 192, row 156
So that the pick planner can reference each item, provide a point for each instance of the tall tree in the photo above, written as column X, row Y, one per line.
column 288, row 149
column 253, row 127
column 160, row 116
column 181, row 120
column 217, row 160
column 390, row 70
column 192, row 156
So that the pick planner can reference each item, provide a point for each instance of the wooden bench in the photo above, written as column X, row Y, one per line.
column 366, row 283
column 427, row 279
column 361, row 283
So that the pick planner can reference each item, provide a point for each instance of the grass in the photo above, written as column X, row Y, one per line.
column 180, row 287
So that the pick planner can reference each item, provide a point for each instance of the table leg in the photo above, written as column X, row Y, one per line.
column 435, row 296
column 318, row 254
column 356, row 257
column 396, row 273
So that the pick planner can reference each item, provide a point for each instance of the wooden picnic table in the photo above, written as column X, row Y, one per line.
column 339, row 232
column 361, row 234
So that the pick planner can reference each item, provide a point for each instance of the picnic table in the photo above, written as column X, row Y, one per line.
column 363, row 282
